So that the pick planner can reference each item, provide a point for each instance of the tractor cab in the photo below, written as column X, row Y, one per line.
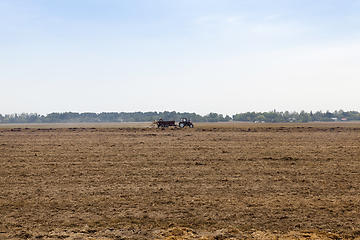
column 184, row 120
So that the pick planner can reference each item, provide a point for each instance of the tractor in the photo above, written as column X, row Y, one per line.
column 184, row 122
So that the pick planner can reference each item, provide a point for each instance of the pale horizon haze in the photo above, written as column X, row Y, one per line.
column 227, row 56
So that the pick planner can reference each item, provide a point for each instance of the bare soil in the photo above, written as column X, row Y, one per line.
column 212, row 182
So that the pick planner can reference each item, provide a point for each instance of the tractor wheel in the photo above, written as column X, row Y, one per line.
column 181, row 125
column 191, row 125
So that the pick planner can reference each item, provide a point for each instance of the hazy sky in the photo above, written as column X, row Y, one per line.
column 224, row 56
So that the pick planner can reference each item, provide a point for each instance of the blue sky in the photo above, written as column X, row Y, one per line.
column 189, row 56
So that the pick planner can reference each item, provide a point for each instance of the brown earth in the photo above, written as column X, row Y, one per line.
column 212, row 182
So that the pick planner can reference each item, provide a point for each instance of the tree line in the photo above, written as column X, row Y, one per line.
column 89, row 117
column 281, row 117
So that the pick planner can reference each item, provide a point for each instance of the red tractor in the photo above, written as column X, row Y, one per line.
column 184, row 122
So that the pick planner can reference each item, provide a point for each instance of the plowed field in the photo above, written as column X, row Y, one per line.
column 231, row 181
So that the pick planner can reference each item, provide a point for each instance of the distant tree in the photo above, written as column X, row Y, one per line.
column 260, row 118
column 304, row 117
column 329, row 115
column 317, row 116
column 212, row 117
column 247, row 117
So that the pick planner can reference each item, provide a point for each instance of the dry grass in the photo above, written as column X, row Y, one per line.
column 214, row 181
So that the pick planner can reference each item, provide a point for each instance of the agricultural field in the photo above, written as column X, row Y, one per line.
column 215, row 181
